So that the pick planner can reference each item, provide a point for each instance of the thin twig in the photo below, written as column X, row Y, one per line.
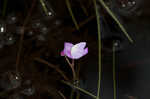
column 70, row 64
column 54, row 67
column 72, row 67
column 22, row 36
column 83, row 8
column 81, row 24
column 62, row 95
column 73, row 73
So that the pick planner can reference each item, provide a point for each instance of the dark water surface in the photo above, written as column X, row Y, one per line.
column 44, row 37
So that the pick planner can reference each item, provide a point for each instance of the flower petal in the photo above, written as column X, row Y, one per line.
column 80, row 45
column 85, row 51
column 77, row 51
column 67, row 49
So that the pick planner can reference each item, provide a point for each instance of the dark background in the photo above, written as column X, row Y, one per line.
column 44, row 38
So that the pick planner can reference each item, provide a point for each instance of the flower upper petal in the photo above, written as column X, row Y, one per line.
column 77, row 51
column 80, row 45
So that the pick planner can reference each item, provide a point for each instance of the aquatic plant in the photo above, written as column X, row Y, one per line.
column 74, row 52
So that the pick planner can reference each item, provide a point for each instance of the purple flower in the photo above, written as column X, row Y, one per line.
column 74, row 51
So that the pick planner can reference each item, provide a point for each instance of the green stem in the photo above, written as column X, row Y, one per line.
column 72, row 94
column 44, row 7
column 78, row 95
column 80, row 89
column 74, row 75
column 72, row 15
column 114, row 76
column 117, row 21
column 99, row 51
column 84, row 9
column 4, row 8
column 72, row 68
